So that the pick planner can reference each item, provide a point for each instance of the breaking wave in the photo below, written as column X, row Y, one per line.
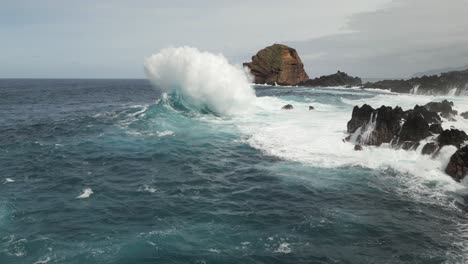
column 200, row 81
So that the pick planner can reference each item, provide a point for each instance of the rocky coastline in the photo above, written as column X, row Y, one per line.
column 407, row 129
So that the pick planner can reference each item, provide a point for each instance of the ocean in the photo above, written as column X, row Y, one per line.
column 120, row 171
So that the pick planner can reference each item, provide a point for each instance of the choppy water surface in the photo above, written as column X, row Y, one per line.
column 108, row 171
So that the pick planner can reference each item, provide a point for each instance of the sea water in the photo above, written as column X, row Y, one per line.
column 137, row 171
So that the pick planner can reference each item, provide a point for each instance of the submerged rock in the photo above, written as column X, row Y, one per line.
column 357, row 147
column 458, row 164
column 287, row 107
column 337, row 79
column 277, row 64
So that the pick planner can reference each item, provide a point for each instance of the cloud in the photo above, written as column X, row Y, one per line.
column 95, row 38
column 403, row 38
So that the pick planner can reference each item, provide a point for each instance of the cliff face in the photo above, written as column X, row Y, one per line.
column 277, row 64
column 337, row 79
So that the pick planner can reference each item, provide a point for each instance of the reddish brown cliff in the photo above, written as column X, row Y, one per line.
column 277, row 64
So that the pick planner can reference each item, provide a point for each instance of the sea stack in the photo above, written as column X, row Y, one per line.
column 277, row 64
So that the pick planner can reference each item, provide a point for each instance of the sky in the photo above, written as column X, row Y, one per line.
column 111, row 39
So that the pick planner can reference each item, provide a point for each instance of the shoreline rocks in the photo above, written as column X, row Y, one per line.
column 453, row 82
column 406, row 129
column 457, row 167
column 338, row 79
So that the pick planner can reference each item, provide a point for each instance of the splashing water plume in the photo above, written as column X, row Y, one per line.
column 201, row 81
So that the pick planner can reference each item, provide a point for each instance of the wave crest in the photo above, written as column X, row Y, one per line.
column 201, row 81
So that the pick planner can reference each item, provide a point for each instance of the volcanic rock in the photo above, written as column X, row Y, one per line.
column 464, row 115
column 429, row 116
column 415, row 128
column 458, row 164
column 337, row 79
column 357, row 147
column 433, row 84
column 374, row 127
column 277, row 64
column 430, row 148
column 288, row 107
column 436, row 128
column 453, row 137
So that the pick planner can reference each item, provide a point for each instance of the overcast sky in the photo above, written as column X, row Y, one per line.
column 109, row 39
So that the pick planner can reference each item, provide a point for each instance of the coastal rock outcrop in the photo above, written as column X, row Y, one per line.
column 452, row 137
column 406, row 130
column 277, row 64
column 457, row 167
column 370, row 126
column 454, row 82
column 338, row 79
column 403, row 129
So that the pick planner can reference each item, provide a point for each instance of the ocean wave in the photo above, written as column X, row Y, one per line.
column 200, row 81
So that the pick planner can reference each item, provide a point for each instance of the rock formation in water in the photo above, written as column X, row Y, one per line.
column 454, row 82
column 337, row 79
column 277, row 64
column 288, row 107
column 406, row 129
column 458, row 164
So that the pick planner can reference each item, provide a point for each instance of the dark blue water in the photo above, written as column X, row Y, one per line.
column 169, row 187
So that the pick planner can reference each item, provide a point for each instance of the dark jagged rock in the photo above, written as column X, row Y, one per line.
column 430, row 117
column 444, row 107
column 414, row 129
column 287, row 107
column 337, row 79
column 397, row 86
column 311, row 108
column 375, row 126
column 436, row 128
column 449, row 116
column 453, row 137
column 357, row 147
column 434, row 84
column 464, row 115
column 458, row 164
column 277, row 64
column 430, row 148
column 359, row 117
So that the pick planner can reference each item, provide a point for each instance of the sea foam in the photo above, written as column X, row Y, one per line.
column 85, row 194
column 201, row 81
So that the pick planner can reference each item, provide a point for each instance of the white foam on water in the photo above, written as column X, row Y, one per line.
column 283, row 248
column 85, row 194
column 315, row 138
column 8, row 180
column 43, row 261
column 147, row 188
column 165, row 133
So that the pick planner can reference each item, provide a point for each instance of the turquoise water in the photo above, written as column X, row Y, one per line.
column 170, row 185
